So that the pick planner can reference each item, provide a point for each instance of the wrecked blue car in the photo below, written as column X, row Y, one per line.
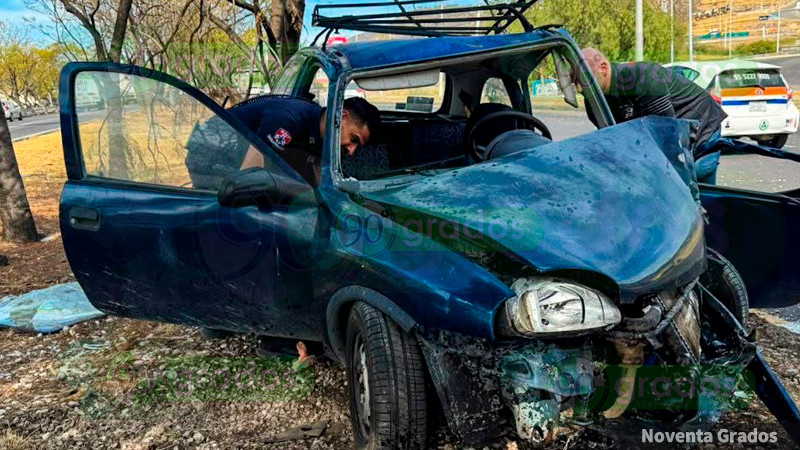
column 499, row 261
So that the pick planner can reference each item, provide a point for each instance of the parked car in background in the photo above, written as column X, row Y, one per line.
column 12, row 111
column 755, row 95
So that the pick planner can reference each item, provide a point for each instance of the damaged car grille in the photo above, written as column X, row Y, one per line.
column 529, row 387
column 669, row 318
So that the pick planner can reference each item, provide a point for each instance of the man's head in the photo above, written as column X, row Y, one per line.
column 360, row 120
column 600, row 66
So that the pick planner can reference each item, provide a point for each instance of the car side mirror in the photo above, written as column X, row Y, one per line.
column 250, row 187
column 562, row 67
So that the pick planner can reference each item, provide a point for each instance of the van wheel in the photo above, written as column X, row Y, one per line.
column 776, row 142
column 722, row 280
column 386, row 379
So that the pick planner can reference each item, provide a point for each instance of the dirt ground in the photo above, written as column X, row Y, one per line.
column 78, row 388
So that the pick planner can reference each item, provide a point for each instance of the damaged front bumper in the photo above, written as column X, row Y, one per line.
column 529, row 388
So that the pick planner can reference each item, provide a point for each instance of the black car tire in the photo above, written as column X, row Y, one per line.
column 724, row 281
column 386, row 379
column 776, row 142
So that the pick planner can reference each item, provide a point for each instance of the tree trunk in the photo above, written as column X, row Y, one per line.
column 287, row 24
column 117, row 142
column 15, row 212
column 120, row 26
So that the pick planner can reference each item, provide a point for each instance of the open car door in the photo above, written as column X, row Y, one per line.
column 754, row 215
column 142, row 226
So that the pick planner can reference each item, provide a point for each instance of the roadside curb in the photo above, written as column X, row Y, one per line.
column 795, row 55
column 36, row 134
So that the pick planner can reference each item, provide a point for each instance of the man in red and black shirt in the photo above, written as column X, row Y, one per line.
column 299, row 123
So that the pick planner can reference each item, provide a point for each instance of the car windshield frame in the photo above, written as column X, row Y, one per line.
column 352, row 185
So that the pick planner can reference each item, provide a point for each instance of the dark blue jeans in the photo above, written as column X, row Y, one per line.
column 706, row 166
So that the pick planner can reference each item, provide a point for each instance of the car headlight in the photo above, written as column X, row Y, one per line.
column 544, row 307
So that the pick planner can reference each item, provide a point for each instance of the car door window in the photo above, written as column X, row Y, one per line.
column 318, row 91
column 548, row 104
column 687, row 72
column 760, row 173
column 494, row 91
column 285, row 83
column 142, row 130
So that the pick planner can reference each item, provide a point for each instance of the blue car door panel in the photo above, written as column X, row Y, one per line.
column 757, row 232
column 142, row 227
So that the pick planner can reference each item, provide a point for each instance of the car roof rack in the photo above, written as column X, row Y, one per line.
column 427, row 18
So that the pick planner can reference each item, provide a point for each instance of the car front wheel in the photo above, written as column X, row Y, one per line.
column 386, row 378
column 776, row 142
column 725, row 283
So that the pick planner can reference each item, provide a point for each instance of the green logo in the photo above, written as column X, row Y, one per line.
column 763, row 125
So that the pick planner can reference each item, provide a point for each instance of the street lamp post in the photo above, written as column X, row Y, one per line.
column 639, row 31
column 778, row 42
column 730, row 29
column 691, row 35
column 672, row 31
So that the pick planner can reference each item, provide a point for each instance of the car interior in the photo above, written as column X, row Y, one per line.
column 436, row 119
column 473, row 111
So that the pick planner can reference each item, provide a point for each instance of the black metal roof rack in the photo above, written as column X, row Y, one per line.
column 423, row 17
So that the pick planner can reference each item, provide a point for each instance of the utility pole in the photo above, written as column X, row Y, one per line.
column 639, row 31
column 778, row 43
column 691, row 33
column 730, row 29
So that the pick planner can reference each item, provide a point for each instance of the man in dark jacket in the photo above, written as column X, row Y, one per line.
column 300, row 124
column 635, row 90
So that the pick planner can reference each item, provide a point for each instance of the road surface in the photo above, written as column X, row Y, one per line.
column 31, row 126
column 36, row 125
column 790, row 66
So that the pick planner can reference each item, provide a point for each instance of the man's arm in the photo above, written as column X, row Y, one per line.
column 658, row 105
column 275, row 128
column 253, row 158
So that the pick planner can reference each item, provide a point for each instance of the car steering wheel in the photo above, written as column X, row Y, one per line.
column 479, row 153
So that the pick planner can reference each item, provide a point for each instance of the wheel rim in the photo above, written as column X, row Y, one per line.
column 361, row 386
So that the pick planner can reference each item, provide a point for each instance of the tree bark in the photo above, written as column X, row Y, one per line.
column 120, row 26
column 15, row 212
column 287, row 24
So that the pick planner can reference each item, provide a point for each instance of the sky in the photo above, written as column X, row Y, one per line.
column 16, row 13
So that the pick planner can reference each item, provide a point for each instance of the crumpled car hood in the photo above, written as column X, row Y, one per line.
column 620, row 201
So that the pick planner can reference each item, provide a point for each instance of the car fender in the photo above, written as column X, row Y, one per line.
column 341, row 301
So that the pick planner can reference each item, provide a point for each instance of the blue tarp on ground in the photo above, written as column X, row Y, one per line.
column 47, row 310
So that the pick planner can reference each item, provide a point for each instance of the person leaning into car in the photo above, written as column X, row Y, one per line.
column 635, row 90
column 300, row 123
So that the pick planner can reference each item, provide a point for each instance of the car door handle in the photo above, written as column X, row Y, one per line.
column 84, row 218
